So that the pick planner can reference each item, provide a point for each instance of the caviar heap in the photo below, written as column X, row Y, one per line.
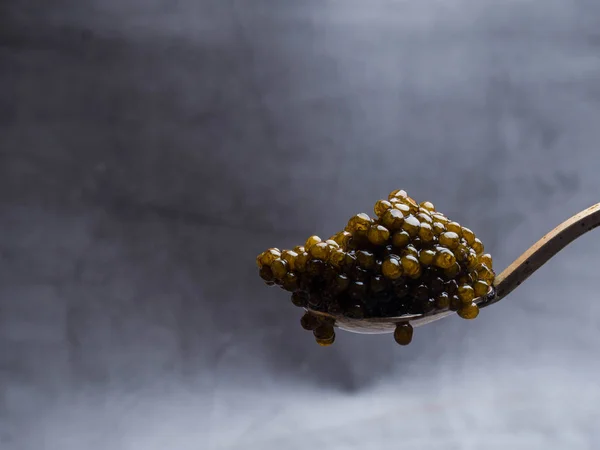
column 410, row 259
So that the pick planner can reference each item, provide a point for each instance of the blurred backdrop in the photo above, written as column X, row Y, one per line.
column 149, row 150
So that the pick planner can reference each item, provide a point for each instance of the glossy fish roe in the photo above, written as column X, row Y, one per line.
column 409, row 258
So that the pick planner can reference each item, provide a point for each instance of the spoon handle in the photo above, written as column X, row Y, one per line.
column 544, row 249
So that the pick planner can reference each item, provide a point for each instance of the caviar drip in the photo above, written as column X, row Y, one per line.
column 409, row 259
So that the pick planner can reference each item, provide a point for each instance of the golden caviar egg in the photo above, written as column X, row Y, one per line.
column 289, row 256
column 449, row 239
column 359, row 223
column 381, row 206
column 465, row 279
column 343, row 238
column 469, row 312
column 473, row 274
column 454, row 227
column 471, row 260
column 421, row 293
column 309, row 321
column 337, row 258
column 461, row 252
column 403, row 333
column 455, row 303
column 315, row 267
column 330, row 272
column 426, row 232
column 466, row 293
column 267, row 257
column 411, row 225
column 332, row 243
column 365, row 259
column 401, row 290
column 404, row 209
column 442, row 301
column 378, row 283
column 350, row 262
column 341, row 282
column 391, row 268
column 409, row 201
column 299, row 249
column 378, row 235
column 290, row 281
column 468, row 235
column 481, row 288
column 400, row 239
column 355, row 311
column 486, row 259
column 452, row 271
column 451, row 287
column 478, row 246
column 279, row 267
column 326, row 342
column 311, row 241
column 411, row 266
column 411, row 250
column 397, row 193
column 438, row 228
column 424, row 217
column 258, row 260
column 300, row 262
column 393, row 219
column 436, row 285
column 299, row 299
column 324, row 331
column 485, row 273
column 427, row 257
column 444, row 258
column 428, row 206
column 320, row 251
column 266, row 274
column 439, row 217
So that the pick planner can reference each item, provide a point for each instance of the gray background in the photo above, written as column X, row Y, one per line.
column 150, row 149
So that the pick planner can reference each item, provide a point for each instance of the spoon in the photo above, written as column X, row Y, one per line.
column 511, row 278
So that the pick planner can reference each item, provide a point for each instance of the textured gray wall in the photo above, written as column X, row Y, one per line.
column 150, row 149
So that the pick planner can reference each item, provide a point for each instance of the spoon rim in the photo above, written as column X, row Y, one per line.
column 482, row 302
